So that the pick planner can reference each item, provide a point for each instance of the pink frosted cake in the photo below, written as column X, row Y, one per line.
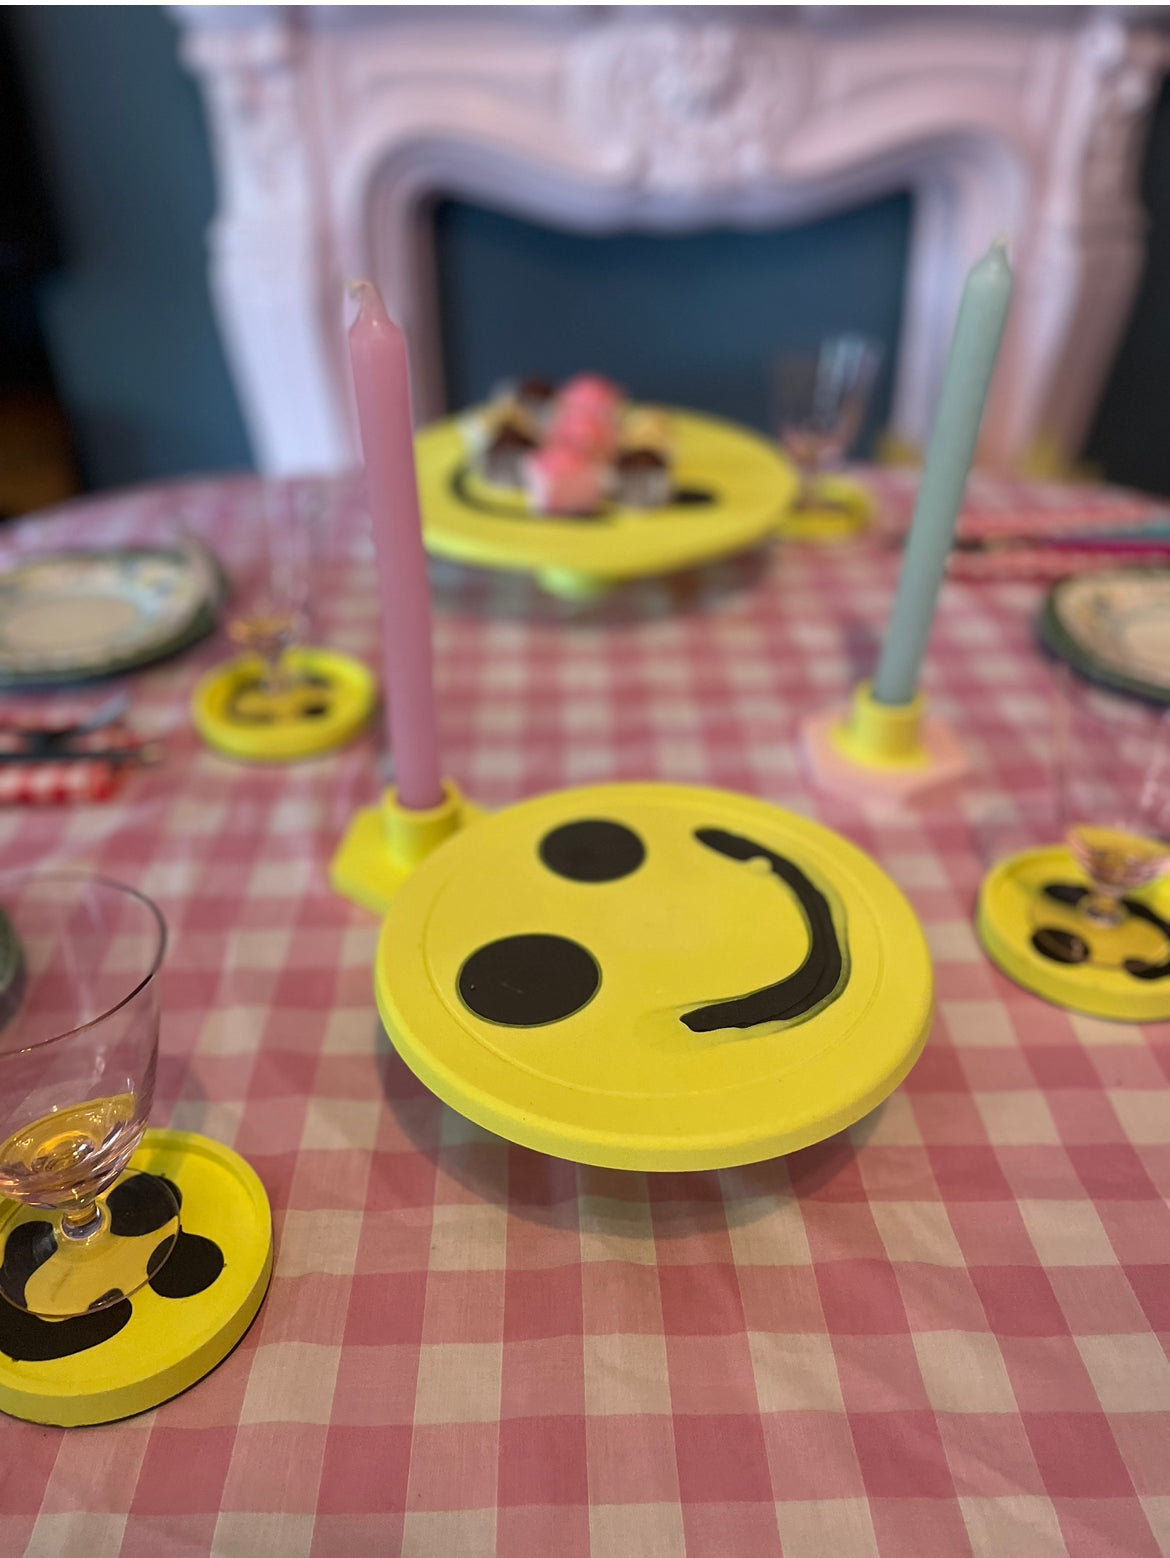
column 573, row 449
column 561, row 479
column 595, row 433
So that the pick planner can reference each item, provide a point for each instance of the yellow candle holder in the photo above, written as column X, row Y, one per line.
column 881, row 749
column 384, row 843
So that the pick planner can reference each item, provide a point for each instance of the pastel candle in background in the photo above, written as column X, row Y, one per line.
column 982, row 314
column 381, row 380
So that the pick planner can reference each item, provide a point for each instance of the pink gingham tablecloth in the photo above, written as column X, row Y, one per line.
column 941, row 1334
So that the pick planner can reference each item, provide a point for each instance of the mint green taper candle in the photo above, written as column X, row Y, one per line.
column 982, row 313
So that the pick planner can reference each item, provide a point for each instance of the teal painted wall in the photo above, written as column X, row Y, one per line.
column 691, row 319
column 127, row 318
column 1130, row 438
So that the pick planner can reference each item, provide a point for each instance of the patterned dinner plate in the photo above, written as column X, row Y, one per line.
column 78, row 615
column 1114, row 628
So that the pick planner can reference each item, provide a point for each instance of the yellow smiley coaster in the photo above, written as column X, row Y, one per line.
column 652, row 976
column 327, row 702
column 200, row 1300
column 1029, row 920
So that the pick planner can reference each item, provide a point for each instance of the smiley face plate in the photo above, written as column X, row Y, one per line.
column 652, row 976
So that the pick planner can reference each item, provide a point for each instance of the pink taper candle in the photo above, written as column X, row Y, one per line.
column 381, row 380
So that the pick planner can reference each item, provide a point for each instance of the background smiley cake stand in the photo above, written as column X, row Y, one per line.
column 726, row 489
column 641, row 976
column 885, row 743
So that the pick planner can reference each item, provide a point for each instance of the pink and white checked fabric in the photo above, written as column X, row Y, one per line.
column 941, row 1334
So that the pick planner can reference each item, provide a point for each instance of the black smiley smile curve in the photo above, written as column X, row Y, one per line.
column 534, row 979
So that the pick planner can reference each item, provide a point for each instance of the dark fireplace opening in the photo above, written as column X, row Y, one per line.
column 691, row 319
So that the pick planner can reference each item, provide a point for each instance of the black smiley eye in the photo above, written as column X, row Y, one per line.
column 592, row 850
column 1061, row 946
column 141, row 1205
column 527, row 981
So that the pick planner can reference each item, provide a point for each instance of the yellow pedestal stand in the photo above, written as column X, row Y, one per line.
column 732, row 491
column 1029, row 922
column 882, row 749
column 651, row 976
column 145, row 1349
column 384, row 844
column 328, row 703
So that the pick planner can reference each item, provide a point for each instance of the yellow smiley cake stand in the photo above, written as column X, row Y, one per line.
column 209, row 1280
column 732, row 490
column 653, row 976
column 641, row 976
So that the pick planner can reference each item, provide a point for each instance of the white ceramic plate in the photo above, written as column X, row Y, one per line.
column 1118, row 625
column 92, row 613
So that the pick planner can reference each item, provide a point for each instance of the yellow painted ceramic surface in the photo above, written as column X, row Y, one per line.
column 656, row 1068
column 846, row 511
column 384, row 844
column 167, row 1343
column 1013, row 909
column 751, row 482
column 235, row 717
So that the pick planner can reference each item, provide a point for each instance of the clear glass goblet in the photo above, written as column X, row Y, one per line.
column 277, row 615
column 822, row 398
column 1112, row 773
column 79, row 1024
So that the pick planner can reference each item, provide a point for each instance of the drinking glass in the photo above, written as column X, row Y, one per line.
column 277, row 615
column 822, row 399
column 79, row 1022
column 1112, row 772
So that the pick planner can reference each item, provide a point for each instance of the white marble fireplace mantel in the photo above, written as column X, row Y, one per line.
column 336, row 129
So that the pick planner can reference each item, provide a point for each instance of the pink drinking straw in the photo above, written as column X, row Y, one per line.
column 381, row 380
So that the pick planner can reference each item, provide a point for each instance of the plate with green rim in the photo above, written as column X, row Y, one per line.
column 1113, row 628
column 73, row 616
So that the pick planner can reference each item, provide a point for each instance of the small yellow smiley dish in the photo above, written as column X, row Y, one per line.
column 207, row 1281
column 652, row 976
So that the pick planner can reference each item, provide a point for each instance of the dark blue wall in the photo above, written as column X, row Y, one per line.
column 127, row 318
column 1130, row 439
column 693, row 320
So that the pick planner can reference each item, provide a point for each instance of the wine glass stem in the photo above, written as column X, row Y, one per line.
column 1103, row 908
column 82, row 1222
column 275, row 674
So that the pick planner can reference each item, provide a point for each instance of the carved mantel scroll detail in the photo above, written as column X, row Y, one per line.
column 684, row 107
